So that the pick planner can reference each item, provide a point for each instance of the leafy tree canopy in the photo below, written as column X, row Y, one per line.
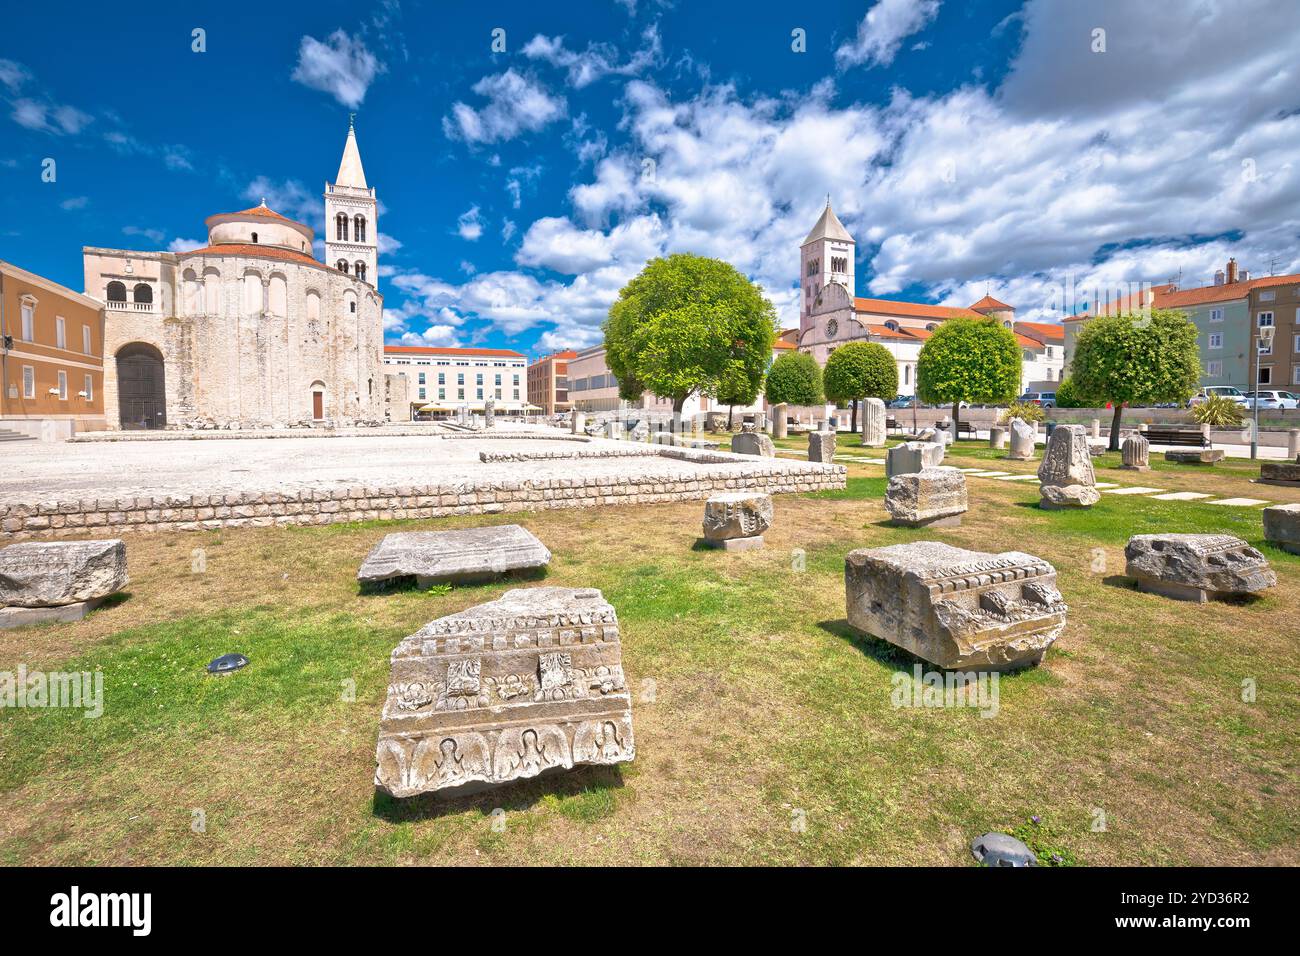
column 689, row 325
column 795, row 378
column 860, row 370
column 969, row 360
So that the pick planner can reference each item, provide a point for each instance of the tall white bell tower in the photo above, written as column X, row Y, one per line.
column 352, row 217
column 825, row 256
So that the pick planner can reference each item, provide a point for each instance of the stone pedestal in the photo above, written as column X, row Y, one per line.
column 1066, row 476
column 1022, row 440
column 489, row 414
column 528, row 684
column 1095, row 425
column 779, row 424
column 1194, row 456
column 1293, row 444
column 821, row 446
column 957, row 609
column 735, row 521
column 577, row 422
column 997, row 437
column 1282, row 526
column 1136, row 453
column 1196, row 567
column 912, row 456
column 931, row 497
column 873, row 423
column 751, row 442
column 1280, row 472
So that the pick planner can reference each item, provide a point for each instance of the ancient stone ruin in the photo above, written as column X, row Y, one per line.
column 873, row 422
column 998, row 437
column 1136, row 453
column 1194, row 456
column 735, row 521
column 523, row 685
column 912, row 456
column 780, row 421
column 821, row 446
column 453, row 557
column 1196, row 567
column 957, row 609
column 489, row 414
column 1282, row 526
column 58, row 581
column 1066, row 477
column 931, row 497
column 751, row 441
column 1280, row 472
column 1022, row 440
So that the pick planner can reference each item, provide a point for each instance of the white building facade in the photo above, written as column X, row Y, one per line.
column 444, row 383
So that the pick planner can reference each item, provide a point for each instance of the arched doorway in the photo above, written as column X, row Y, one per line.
column 141, row 387
column 318, row 401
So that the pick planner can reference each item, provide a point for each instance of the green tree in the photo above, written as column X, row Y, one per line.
column 975, row 361
column 1067, row 396
column 1125, row 360
column 794, row 379
column 688, row 325
column 736, row 390
column 860, row 370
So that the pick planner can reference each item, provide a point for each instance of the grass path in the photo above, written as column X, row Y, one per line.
column 756, row 705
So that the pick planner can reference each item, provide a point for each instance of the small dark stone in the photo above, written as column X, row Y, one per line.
column 227, row 663
column 999, row 849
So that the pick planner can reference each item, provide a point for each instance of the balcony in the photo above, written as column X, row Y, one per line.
column 118, row 306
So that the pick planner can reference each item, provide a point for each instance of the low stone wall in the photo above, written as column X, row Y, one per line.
column 490, row 457
column 113, row 517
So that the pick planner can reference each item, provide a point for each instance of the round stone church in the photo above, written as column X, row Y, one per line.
column 252, row 330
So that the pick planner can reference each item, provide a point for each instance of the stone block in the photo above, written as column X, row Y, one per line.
column 737, row 515
column 1194, row 456
column 873, row 423
column 1023, row 437
column 821, row 446
column 1135, row 453
column 1066, row 476
column 912, row 456
column 52, row 574
column 932, row 497
column 1280, row 472
column 528, row 684
column 1282, row 526
column 998, row 437
column 11, row 617
column 751, row 441
column 957, row 609
column 1196, row 567
column 469, row 554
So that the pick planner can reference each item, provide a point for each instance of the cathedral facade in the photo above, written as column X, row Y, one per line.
column 252, row 330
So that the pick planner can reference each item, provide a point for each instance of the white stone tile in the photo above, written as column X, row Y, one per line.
column 1181, row 496
column 1134, row 490
column 1239, row 502
column 1016, row 478
column 1107, row 484
column 988, row 474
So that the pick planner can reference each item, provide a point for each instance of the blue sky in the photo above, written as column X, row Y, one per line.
column 968, row 146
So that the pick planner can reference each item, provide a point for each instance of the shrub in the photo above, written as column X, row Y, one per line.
column 1025, row 411
column 1067, row 396
column 1218, row 411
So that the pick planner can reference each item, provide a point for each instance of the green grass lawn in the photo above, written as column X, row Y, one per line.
column 756, row 707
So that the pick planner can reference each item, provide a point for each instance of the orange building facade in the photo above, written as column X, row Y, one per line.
column 51, row 357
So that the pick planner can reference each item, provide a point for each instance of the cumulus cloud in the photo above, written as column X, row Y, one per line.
column 882, row 31
column 339, row 65
column 516, row 104
column 289, row 198
column 598, row 60
column 469, row 225
column 185, row 245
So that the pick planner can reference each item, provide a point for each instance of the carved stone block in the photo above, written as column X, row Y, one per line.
column 957, row 609
column 1196, row 567
column 932, row 497
column 873, row 422
column 1066, row 474
column 1022, row 440
column 751, row 441
column 1280, row 472
column 737, row 520
column 1136, row 453
column 912, row 456
column 821, row 446
column 1194, row 456
column 530, row 683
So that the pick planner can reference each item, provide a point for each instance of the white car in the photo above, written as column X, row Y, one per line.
column 1273, row 399
column 1223, row 391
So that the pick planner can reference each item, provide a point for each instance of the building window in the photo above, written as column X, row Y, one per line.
column 1296, row 345
column 1266, row 375
column 352, row 307
column 460, row 393
column 460, row 380
column 142, row 294
column 1295, row 375
column 341, row 227
column 421, row 394
column 442, row 393
column 1265, row 349
column 498, row 381
column 1267, row 296
column 90, row 388
column 1214, row 369
column 29, row 321
column 422, row 378
column 85, row 339
column 254, row 238
column 63, row 386
column 1265, row 319
column 342, row 266
column 116, row 292
column 360, row 224
column 1216, row 340
column 891, row 325
column 1216, row 315
column 361, row 270
column 442, row 378
column 29, row 382
column 60, row 332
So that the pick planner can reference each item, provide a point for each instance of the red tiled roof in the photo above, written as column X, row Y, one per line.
column 432, row 350
column 1219, row 293
column 256, row 249
column 1025, row 342
column 264, row 213
column 988, row 302
column 783, row 344
column 885, row 333
column 1048, row 331
column 917, row 310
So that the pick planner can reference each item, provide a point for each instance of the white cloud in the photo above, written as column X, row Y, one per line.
column 598, row 60
column 75, row 202
column 883, row 30
column 13, row 75
column 185, row 245
column 340, row 65
column 49, row 118
column 516, row 104
column 469, row 225
column 289, row 198
column 387, row 244
column 153, row 235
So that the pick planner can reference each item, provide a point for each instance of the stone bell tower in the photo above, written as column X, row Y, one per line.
column 352, row 217
column 825, row 256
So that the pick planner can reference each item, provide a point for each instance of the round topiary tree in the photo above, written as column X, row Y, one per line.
column 688, row 325
column 794, row 379
column 969, row 360
column 860, row 370
column 1067, row 396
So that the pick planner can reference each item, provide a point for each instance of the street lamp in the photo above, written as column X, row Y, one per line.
column 1265, row 341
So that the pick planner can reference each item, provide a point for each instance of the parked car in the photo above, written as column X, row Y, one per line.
column 1045, row 399
column 1272, row 399
column 902, row 401
column 1224, row 391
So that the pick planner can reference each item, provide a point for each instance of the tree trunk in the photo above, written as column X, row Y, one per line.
column 1114, row 427
column 956, row 417
column 853, row 416
column 731, row 413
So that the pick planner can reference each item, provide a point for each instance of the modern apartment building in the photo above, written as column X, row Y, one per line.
column 548, row 382
column 51, row 357
column 441, row 381
column 1275, row 302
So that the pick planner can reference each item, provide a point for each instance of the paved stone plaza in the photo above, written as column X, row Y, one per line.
column 73, row 488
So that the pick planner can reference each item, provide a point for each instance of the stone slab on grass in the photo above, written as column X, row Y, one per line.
column 1239, row 502
column 1181, row 496
column 466, row 554
column 57, row 573
column 1196, row 567
column 1132, row 490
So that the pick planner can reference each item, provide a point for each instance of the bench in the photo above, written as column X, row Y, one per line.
column 966, row 428
column 891, row 425
column 1177, row 436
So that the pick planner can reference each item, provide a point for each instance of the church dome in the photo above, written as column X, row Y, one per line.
column 262, row 226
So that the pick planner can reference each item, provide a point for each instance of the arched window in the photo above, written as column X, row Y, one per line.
column 252, row 296
column 254, row 238
column 341, row 227
column 359, row 228
column 212, row 291
column 361, row 270
column 313, row 305
column 116, row 292
column 142, row 293
column 193, row 293
column 342, row 266
column 277, row 296
column 891, row 325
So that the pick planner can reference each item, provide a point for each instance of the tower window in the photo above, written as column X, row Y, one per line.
column 254, row 238
column 360, row 228
column 342, row 266
column 341, row 227
column 361, row 270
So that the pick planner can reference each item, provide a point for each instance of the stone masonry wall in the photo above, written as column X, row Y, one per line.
column 90, row 518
